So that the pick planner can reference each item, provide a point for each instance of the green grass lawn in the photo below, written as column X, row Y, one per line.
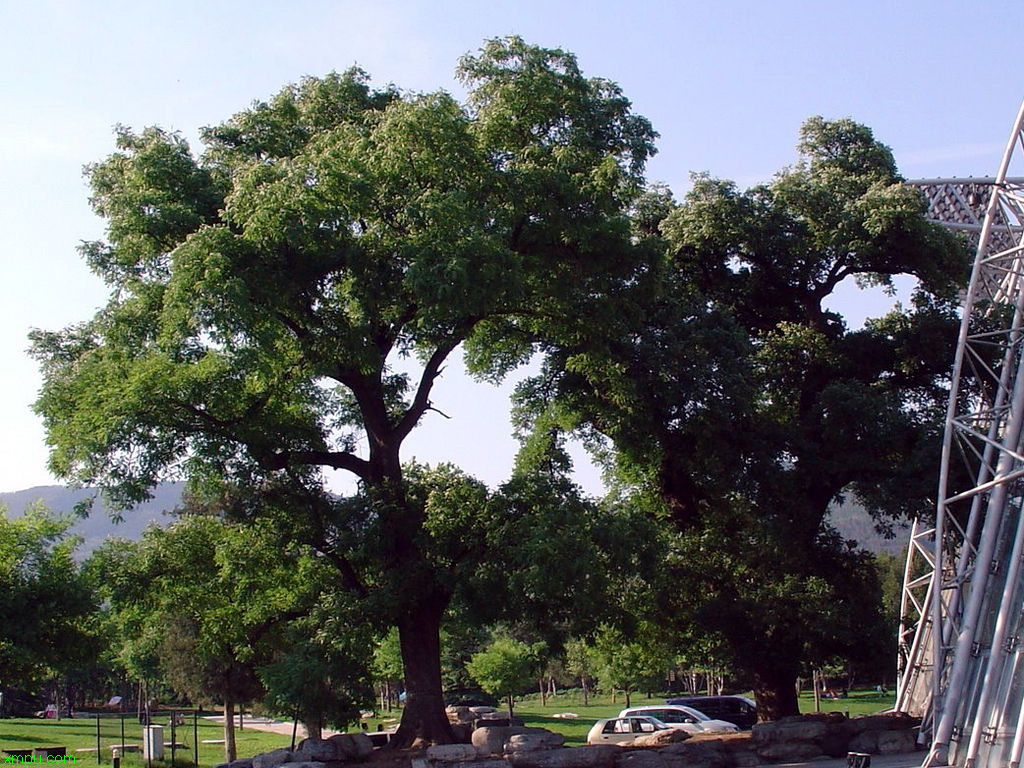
column 76, row 734
column 81, row 733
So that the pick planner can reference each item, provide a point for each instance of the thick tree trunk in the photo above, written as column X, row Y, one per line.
column 230, row 751
column 775, row 693
column 424, row 717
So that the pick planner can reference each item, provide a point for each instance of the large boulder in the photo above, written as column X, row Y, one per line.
column 460, row 714
column 492, row 738
column 453, row 753
column 890, row 721
column 661, row 738
column 896, row 742
column 798, row 728
column 540, row 738
column 784, row 751
column 317, row 751
column 352, row 746
column 272, row 759
column 642, row 758
column 305, row 764
column 597, row 756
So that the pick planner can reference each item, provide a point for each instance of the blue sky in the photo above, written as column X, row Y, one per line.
column 726, row 84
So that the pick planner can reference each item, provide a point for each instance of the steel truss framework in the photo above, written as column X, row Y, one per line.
column 961, row 655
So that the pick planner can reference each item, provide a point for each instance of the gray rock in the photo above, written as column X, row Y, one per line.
column 488, row 762
column 597, row 756
column 318, row 751
column 463, row 732
column 641, row 758
column 491, row 739
column 453, row 753
column 305, row 764
column 865, row 742
column 272, row 759
column 745, row 759
column 661, row 738
column 530, row 742
column 792, row 750
column 895, row 742
column 350, row 746
column 245, row 762
column 460, row 714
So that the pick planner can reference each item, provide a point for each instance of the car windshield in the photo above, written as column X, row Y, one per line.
column 695, row 714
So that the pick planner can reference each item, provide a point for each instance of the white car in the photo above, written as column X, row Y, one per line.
column 678, row 716
column 623, row 730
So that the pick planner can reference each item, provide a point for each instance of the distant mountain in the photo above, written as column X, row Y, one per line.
column 853, row 522
column 848, row 518
column 97, row 527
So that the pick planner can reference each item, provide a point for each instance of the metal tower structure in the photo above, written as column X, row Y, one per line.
column 961, row 655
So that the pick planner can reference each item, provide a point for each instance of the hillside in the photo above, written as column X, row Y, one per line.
column 97, row 527
column 849, row 518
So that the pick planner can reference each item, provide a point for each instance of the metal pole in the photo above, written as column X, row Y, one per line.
column 98, row 753
column 295, row 725
column 173, row 721
column 195, row 735
column 998, row 652
column 122, row 730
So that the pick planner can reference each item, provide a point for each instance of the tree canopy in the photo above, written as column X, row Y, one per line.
column 262, row 292
column 741, row 406
column 47, row 610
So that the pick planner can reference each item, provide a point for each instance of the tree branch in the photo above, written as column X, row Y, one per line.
column 335, row 459
column 431, row 371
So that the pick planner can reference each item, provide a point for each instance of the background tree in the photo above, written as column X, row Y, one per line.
column 506, row 667
column 628, row 664
column 740, row 407
column 262, row 294
column 47, row 606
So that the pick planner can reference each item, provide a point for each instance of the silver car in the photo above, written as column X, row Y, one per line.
column 678, row 716
column 623, row 730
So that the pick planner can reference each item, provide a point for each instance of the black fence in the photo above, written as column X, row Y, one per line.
column 123, row 734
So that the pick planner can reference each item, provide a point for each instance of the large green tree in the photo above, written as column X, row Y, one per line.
column 741, row 406
column 262, row 293
column 47, row 606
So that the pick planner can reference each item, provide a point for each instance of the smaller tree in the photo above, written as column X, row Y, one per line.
column 622, row 663
column 388, row 671
column 506, row 667
column 579, row 662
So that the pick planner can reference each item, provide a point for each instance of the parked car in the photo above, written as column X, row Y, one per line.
column 733, row 709
column 623, row 730
column 684, row 718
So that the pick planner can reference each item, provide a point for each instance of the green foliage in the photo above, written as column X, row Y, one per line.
column 261, row 291
column 506, row 667
column 739, row 407
column 320, row 677
column 47, row 610
column 627, row 664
